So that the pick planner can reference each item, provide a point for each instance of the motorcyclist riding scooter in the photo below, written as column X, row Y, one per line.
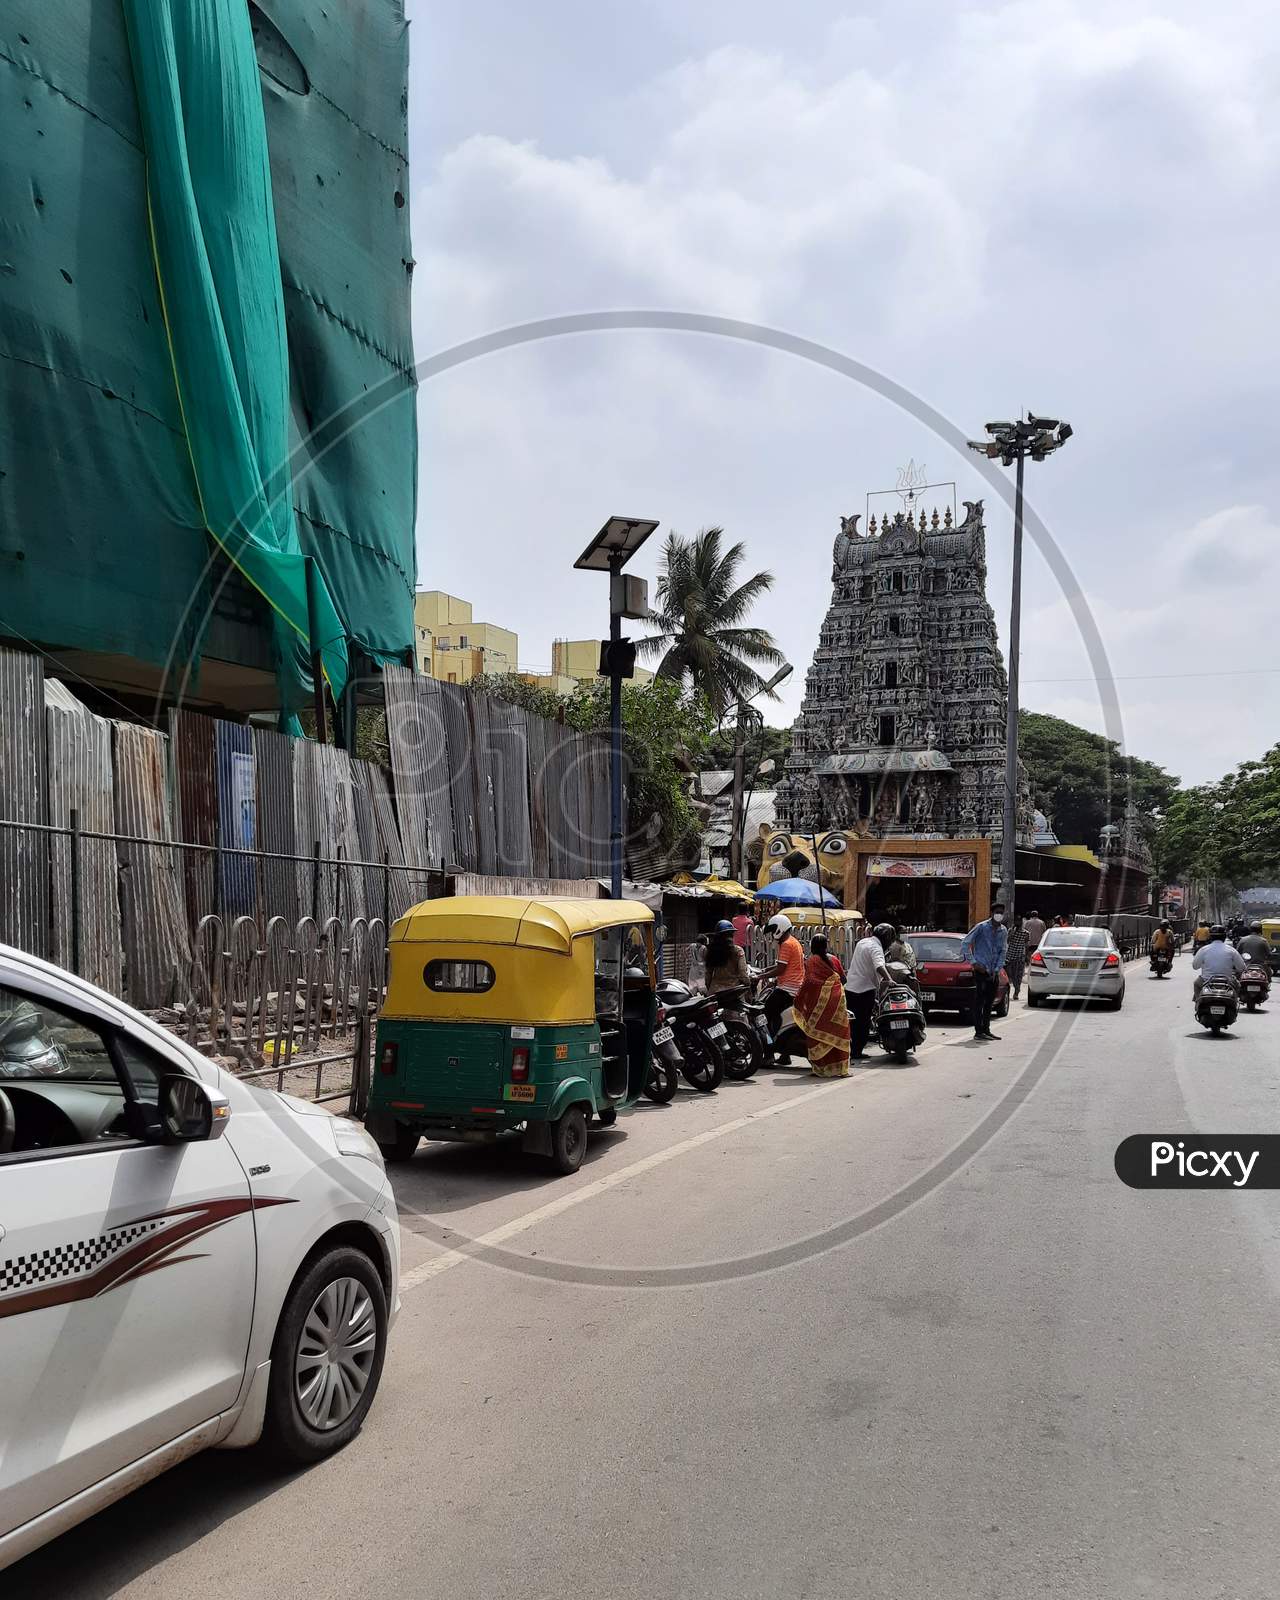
column 1162, row 949
column 1217, row 995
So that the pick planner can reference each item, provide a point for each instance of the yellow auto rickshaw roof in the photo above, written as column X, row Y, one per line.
column 512, row 919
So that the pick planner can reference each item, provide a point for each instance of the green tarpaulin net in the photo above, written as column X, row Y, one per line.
column 232, row 359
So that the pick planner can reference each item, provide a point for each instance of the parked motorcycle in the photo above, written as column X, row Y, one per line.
column 746, row 1045
column 1161, row 963
column 900, row 1025
column 698, row 1025
column 1218, row 1005
column 1255, row 985
column 665, row 1063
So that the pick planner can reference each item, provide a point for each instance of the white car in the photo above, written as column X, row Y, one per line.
column 184, row 1260
column 1080, row 963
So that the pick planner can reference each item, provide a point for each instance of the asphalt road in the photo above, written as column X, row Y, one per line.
column 906, row 1335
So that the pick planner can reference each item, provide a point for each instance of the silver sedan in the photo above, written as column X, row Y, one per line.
column 1079, row 963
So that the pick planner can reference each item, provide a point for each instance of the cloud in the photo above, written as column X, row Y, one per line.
column 1045, row 204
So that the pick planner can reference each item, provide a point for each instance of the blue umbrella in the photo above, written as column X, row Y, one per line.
column 796, row 892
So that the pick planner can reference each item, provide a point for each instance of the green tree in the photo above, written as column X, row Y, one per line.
column 763, row 744
column 1082, row 780
column 703, row 638
column 1229, row 830
column 665, row 729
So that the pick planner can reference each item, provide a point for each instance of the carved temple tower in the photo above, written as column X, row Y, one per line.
column 902, row 728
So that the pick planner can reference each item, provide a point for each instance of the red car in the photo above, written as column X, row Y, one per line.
column 946, row 982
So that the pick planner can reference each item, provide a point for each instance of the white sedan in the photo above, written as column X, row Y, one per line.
column 185, row 1260
column 1079, row 963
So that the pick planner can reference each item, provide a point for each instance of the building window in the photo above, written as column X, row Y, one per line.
column 895, row 623
column 891, row 674
column 895, row 583
column 462, row 641
column 888, row 729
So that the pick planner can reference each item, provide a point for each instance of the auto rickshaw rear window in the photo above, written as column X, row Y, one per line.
column 458, row 977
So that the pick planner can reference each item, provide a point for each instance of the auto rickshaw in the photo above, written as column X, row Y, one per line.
column 507, row 1014
column 1271, row 933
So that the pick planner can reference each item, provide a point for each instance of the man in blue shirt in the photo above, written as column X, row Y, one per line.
column 985, row 946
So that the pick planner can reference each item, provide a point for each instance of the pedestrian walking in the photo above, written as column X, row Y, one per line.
column 984, row 945
column 822, row 1013
column 1015, row 955
column 1034, row 928
column 868, row 975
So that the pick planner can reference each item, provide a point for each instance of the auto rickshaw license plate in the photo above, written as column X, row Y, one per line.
column 520, row 1091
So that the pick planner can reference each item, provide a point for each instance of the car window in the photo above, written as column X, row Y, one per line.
column 37, row 1040
column 1077, row 938
column 935, row 949
column 57, row 1075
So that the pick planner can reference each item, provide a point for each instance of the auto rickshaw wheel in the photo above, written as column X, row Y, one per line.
column 402, row 1147
column 607, row 1116
column 569, row 1140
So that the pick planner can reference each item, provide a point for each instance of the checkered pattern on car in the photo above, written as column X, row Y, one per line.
column 73, row 1260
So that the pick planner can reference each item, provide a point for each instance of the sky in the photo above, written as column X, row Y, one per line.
column 1066, row 208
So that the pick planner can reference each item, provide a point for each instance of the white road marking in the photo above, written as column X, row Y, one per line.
column 426, row 1270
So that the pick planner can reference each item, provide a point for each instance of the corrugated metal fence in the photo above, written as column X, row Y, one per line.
column 119, row 842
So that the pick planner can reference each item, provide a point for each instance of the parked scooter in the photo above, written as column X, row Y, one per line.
column 900, row 1025
column 1255, row 985
column 746, row 1044
column 1218, row 1005
column 665, row 1065
column 700, row 1032
column 1161, row 963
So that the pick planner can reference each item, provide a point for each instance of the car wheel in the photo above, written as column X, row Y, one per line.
column 569, row 1140
column 1033, row 999
column 402, row 1146
column 1117, row 1002
column 326, row 1359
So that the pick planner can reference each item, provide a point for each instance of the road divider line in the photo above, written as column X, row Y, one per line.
column 415, row 1277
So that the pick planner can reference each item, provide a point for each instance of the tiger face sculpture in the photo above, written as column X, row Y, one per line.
column 791, row 855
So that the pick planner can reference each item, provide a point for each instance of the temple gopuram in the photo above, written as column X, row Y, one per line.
column 900, row 742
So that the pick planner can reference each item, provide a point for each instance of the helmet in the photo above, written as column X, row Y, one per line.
column 1217, row 931
column 724, row 926
column 779, row 925
column 885, row 932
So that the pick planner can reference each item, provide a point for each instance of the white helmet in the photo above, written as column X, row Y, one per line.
column 779, row 926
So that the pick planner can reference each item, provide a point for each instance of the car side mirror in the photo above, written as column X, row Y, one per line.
column 190, row 1110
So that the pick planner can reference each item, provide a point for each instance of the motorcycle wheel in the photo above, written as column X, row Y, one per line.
column 744, row 1055
column 900, row 1054
column 703, row 1061
column 663, row 1081
column 1215, row 1028
column 1251, row 1005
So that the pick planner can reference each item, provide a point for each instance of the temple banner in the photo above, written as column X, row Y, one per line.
column 921, row 866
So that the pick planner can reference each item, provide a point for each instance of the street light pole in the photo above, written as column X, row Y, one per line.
column 1008, row 837
column 616, row 560
column 609, row 552
column 1012, row 442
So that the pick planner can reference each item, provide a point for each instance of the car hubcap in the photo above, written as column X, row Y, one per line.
column 335, row 1353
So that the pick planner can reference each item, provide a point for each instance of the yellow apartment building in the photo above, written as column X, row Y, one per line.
column 452, row 646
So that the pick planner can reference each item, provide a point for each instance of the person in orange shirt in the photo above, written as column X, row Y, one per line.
column 788, row 976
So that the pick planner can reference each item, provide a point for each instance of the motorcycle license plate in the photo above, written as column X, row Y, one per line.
column 928, row 994
column 717, row 1030
column 663, row 1036
column 899, row 1022
column 1217, row 1011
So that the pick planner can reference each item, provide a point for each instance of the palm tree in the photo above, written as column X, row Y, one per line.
column 701, row 620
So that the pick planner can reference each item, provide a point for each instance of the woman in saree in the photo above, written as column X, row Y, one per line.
column 822, row 1014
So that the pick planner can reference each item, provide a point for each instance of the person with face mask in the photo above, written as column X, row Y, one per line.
column 985, row 946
